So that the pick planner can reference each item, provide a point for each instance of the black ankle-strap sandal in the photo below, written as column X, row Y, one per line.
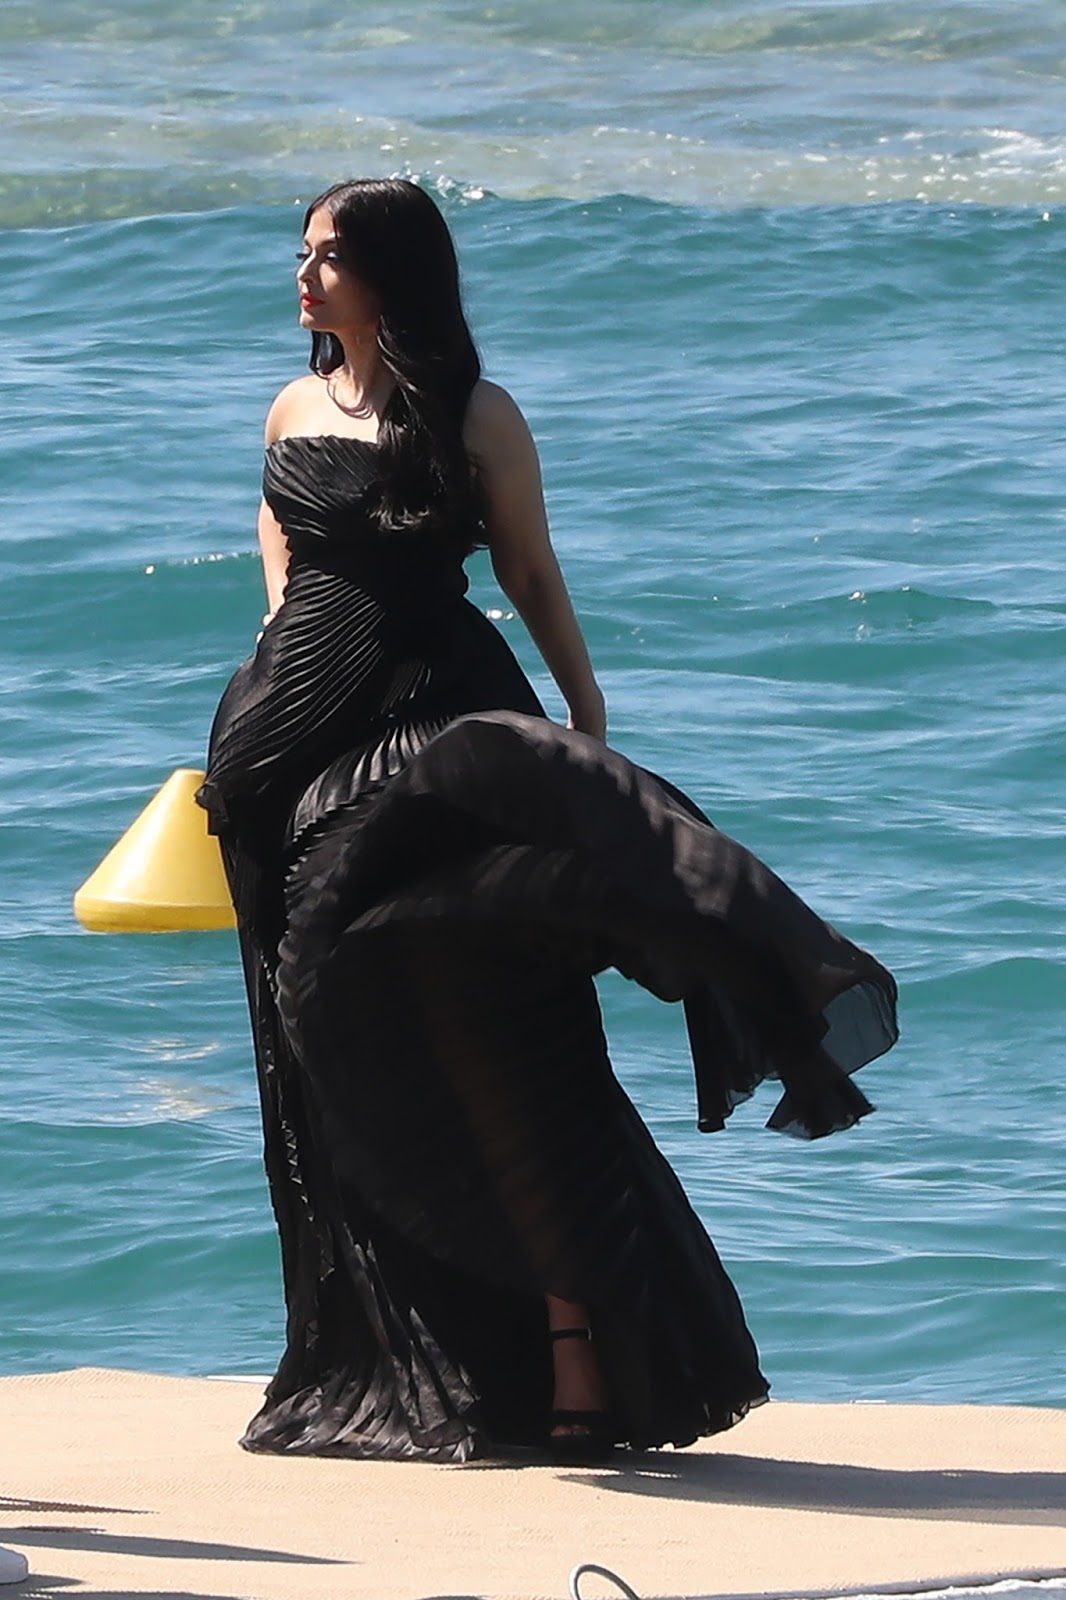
column 596, row 1441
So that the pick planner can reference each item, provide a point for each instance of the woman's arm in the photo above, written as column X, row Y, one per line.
column 282, row 418
column 274, row 548
column 523, row 560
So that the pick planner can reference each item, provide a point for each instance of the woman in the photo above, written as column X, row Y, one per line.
column 481, row 1245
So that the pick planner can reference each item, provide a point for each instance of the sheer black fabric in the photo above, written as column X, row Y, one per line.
column 428, row 874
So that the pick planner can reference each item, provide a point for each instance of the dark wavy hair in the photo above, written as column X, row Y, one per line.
column 393, row 237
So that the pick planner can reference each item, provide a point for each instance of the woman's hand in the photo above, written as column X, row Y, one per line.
column 589, row 715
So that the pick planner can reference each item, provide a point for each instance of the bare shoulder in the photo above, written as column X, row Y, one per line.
column 494, row 428
column 292, row 406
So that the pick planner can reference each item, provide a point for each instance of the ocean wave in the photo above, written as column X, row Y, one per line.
column 587, row 163
column 1023, row 982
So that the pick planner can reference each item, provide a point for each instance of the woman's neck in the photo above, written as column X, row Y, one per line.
column 362, row 384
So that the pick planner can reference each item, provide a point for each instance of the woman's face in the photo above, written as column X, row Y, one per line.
column 332, row 298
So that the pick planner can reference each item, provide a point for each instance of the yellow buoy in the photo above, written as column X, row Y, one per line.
column 165, row 874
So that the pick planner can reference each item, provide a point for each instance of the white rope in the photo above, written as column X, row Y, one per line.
column 600, row 1572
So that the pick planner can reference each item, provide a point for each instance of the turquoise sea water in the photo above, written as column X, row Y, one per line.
column 782, row 289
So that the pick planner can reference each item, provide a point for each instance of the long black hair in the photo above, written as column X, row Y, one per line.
column 393, row 237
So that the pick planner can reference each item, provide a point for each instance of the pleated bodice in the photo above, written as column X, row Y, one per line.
column 375, row 644
column 317, row 486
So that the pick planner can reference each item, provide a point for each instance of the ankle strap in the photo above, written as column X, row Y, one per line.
column 570, row 1333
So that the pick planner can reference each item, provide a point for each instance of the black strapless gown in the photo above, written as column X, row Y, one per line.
column 427, row 874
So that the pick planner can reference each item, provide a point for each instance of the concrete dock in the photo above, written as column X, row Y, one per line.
column 119, row 1484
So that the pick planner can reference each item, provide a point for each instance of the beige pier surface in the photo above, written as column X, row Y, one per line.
column 119, row 1483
